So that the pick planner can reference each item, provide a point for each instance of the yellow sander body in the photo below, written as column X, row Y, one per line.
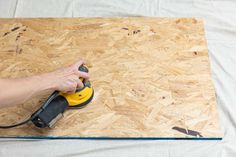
column 81, row 97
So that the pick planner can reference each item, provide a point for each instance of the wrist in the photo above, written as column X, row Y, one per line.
column 45, row 82
column 49, row 81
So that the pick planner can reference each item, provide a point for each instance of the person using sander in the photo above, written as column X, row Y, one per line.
column 70, row 88
column 19, row 90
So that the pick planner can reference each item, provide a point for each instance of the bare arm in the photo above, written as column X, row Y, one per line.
column 18, row 91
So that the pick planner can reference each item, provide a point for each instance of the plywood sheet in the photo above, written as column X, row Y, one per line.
column 151, row 76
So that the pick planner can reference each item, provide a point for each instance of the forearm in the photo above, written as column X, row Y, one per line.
column 18, row 91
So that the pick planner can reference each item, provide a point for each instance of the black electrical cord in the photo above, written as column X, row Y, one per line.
column 15, row 125
column 50, row 98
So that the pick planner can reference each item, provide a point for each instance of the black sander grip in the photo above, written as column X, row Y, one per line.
column 47, row 115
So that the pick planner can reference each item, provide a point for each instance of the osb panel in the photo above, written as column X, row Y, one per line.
column 151, row 76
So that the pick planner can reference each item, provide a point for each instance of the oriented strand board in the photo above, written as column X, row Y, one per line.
column 151, row 76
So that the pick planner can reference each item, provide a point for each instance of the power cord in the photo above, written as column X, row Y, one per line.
column 50, row 98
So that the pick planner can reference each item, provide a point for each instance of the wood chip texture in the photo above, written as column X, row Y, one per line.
column 151, row 76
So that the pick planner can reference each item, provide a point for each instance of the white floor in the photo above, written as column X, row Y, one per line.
column 220, row 26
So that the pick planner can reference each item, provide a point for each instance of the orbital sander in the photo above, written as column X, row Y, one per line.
column 57, row 103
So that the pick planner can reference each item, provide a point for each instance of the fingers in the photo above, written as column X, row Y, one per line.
column 83, row 75
column 80, row 73
column 74, row 84
column 69, row 78
column 71, row 89
column 78, row 63
column 80, row 84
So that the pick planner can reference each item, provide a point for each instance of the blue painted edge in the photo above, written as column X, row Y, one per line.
column 104, row 138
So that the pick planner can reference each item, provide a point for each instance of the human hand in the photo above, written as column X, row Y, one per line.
column 66, row 80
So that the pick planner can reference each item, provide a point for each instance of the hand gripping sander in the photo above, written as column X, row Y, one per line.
column 57, row 103
column 54, row 107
